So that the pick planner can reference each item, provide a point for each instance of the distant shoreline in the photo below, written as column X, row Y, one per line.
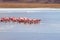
column 28, row 5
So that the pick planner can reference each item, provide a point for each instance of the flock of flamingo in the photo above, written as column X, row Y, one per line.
column 20, row 20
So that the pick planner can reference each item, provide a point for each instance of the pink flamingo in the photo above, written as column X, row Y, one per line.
column 13, row 19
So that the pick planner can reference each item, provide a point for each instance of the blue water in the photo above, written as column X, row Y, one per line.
column 29, row 36
column 48, row 29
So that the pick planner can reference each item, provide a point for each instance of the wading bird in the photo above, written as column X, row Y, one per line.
column 20, row 20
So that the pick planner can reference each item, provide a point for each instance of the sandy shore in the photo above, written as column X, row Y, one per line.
column 28, row 5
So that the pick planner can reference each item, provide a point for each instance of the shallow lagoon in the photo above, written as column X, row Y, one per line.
column 48, row 29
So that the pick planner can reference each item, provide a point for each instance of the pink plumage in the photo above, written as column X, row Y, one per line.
column 20, row 20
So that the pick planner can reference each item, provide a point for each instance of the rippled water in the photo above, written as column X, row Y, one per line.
column 48, row 29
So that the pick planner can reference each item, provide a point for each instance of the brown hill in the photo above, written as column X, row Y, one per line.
column 28, row 5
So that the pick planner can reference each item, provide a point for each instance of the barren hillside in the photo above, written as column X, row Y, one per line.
column 28, row 5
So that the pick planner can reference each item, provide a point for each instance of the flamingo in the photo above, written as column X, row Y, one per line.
column 13, row 19
column 6, row 19
column 35, row 21
column 26, row 20
column 2, row 19
column 30, row 21
column 20, row 20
